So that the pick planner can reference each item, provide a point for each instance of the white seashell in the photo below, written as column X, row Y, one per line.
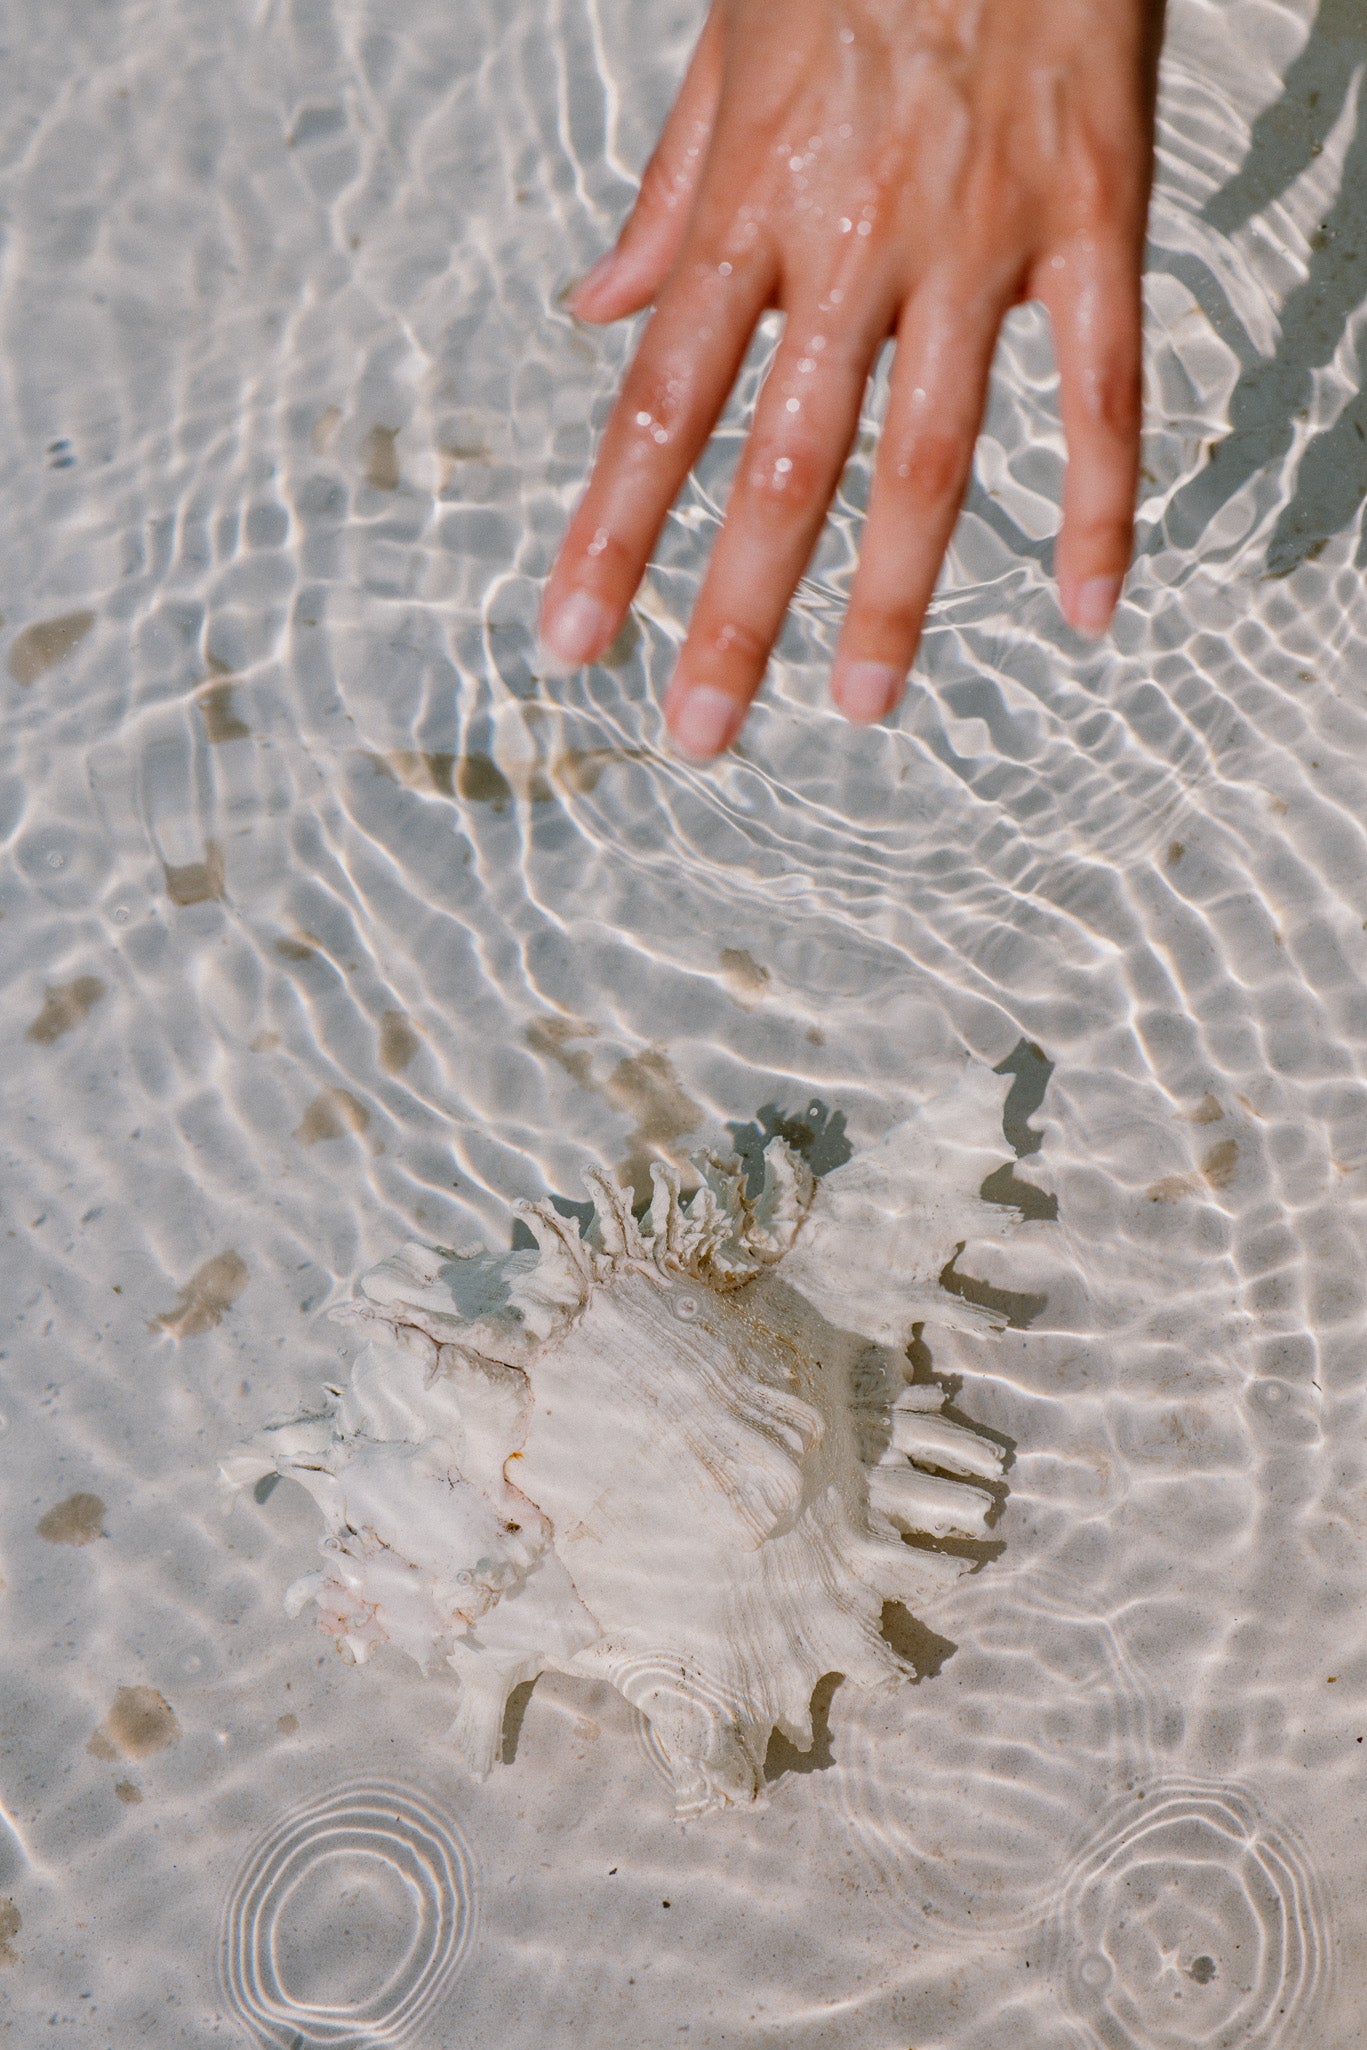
column 662, row 1453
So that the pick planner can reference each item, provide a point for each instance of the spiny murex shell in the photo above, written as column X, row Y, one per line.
column 658, row 1454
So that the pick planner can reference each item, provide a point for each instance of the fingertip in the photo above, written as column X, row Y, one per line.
column 574, row 630
column 867, row 691
column 1090, row 607
column 703, row 721
column 582, row 296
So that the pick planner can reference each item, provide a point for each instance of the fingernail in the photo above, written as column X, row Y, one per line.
column 866, row 691
column 576, row 630
column 1095, row 602
column 597, row 274
column 705, row 722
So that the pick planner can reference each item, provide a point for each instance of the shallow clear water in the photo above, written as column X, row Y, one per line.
column 327, row 925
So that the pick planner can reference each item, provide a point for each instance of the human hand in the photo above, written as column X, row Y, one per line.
column 910, row 168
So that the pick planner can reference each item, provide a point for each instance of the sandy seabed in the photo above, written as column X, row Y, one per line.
column 326, row 925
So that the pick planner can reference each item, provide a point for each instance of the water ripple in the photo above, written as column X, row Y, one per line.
column 1189, row 1919
column 349, row 1921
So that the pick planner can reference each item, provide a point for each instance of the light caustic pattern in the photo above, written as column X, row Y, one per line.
column 328, row 924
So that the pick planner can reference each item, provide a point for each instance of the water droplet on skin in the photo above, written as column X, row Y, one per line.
column 865, row 228
column 783, row 466
column 794, row 405
column 844, row 224
column 723, row 270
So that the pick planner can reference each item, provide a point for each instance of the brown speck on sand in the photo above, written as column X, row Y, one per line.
column 64, row 1006
column 206, row 1296
column 219, row 714
column 745, row 980
column 302, row 946
column 480, row 780
column 815, row 1036
column 1174, row 854
column 129, row 1794
column 399, row 1041
column 196, row 882
column 265, row 1042
column 1173, row 1188
column 380, row 458
column 287, row 1724
column 140, row 1722
column 77, row 1521
column 11, row 1922
column 550, row 1036
column 1219, row 1164
column 578, row 769
column 43, row 645
column 1207, row 1111
column 419, row 769
column 646, row 1087
column 331, row 1115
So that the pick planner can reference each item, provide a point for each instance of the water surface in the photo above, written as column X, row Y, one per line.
column 327, row 924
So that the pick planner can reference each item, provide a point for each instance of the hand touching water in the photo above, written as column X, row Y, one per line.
column 910, row 168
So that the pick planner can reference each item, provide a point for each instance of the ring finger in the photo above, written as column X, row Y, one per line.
column 945, row 342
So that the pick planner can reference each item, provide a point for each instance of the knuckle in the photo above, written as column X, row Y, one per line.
column 743, row 645
column 612, row 558
column 786, row 475
column 1119, row 405
column 929, row 467
column 1104, row 185
column 664, row 185
column 1101, row 538
column 656, row 399
column 892, row 627
column 1112, row 398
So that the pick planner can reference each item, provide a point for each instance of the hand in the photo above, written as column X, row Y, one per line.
column 910, row 168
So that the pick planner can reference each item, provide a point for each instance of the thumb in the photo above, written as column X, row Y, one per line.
column 630, row 275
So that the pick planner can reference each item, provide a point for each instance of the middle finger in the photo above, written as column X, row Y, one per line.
column 805, row 421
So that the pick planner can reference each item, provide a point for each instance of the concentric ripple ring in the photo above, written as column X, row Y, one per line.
column 421, row 1857
column 1189, row 1919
